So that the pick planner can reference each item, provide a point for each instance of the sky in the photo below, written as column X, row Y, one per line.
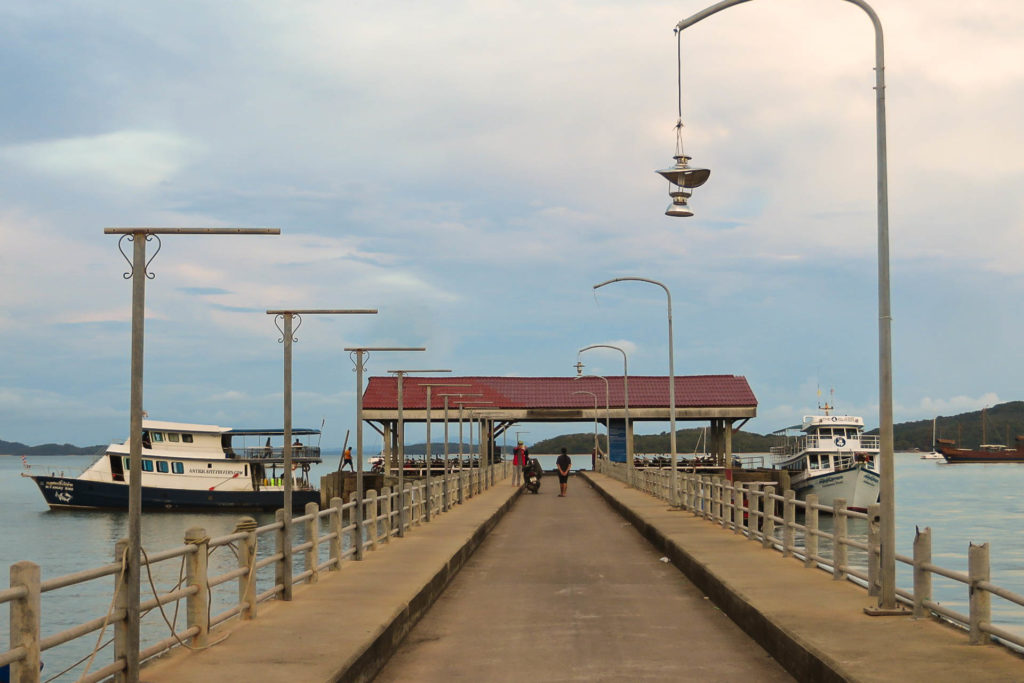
column 471, row 170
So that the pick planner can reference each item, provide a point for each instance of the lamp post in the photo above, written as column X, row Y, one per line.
column 887, row 489
column 625, row 399
column 444, row 466
column 359, row 355
column 446, row 397
column 400, row 374
column 671, row 380
column 607, row 403
column 462, row 405
column 287, row 316
column 127, row 639
column 595, row 415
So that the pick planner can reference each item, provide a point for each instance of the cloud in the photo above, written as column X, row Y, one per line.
column 135, row 159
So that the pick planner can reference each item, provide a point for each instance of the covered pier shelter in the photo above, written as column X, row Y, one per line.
column 500, row 402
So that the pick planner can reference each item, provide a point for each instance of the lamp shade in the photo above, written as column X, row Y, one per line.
column 682, row 175
column 679, row 207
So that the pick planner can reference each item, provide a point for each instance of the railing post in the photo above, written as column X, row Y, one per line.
column 25, row 622
column 980, row 599
column 197, row 605
column 788, row 521
column 337, row 526
column 385, row 513
column 283, row 547
column 737, row 511
column 922, row 576
column 356, row 520
column 874, row 550
column 121, row 603
column 247, row 559
column 840, row 536
column 371, row 516
column 754, row 493
column 768, row 518
column 705, row 498
column 811, row 531
column 312, row 554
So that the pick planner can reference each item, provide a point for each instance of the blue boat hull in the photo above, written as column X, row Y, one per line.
column 68, row 493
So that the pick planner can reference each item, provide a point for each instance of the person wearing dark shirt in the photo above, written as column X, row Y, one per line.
column 564, row 464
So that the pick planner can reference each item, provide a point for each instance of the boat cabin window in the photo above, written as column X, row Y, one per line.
column 147, row 465
column 161, row 466
column 813, row 461
column 177, row 468
column 186, row 438
column 157, row 437
column 173, row 438
column 127, row 463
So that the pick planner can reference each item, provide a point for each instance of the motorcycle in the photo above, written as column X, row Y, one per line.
column 531, row 475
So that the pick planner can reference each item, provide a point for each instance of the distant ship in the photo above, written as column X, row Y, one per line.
column 193, row 467
column 985, row 452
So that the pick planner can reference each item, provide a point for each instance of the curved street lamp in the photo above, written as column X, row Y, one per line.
column 625, row 396
column 671, row 380
column 595, row 416
column 607, row 401
column 887, row 540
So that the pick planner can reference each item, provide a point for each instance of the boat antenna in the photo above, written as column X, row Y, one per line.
column 323, row 421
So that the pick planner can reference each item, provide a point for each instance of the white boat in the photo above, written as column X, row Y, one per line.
column 830, row 456
column 933, row 454
column 193, row 466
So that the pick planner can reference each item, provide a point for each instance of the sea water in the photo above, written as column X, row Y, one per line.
column 963, row 504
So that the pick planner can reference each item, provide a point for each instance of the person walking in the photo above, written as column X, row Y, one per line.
column 346, row 459
column 564, row 464
column 519, row 456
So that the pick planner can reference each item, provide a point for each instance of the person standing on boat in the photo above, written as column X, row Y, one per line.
column 564, row 464
column 519, row 456
column 346, row 459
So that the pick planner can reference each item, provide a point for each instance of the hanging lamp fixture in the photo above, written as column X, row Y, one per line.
column 681, row 177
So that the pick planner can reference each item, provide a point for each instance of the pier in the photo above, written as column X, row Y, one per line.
column 543, row 588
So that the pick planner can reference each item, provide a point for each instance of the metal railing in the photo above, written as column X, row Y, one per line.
column 334, row 526
column 749, row 508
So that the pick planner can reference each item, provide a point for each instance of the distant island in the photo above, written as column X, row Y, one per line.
column 1003, row 422
column 15, row 448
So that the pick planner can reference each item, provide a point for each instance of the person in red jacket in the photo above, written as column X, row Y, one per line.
column 519, row 456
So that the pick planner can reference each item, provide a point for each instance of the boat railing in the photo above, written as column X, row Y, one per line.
column 263, row 562
column 299, row 453
column 869, row 441
column 753, row 509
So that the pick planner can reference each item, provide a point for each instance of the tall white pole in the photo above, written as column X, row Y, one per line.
column 887, row 531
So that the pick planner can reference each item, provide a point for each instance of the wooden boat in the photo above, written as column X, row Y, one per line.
column 985, row 453
column 194, row 467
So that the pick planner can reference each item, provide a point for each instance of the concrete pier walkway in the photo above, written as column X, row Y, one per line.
column 564, row 589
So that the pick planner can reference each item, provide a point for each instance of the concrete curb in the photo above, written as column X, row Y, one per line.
column 804, row 662
column 365, row 664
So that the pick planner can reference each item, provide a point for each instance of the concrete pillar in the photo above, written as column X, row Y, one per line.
column 922, row 577
column 312, row 553
column 337, row 524
column 788, row 521
column 247, row 560
column 980, row 600
column 839, row 549
column 811, row 533
column 768, row 521
column 25, row 621
column 197, row 605
column 122, row 637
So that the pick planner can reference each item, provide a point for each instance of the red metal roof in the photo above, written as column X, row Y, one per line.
column 557, row 392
